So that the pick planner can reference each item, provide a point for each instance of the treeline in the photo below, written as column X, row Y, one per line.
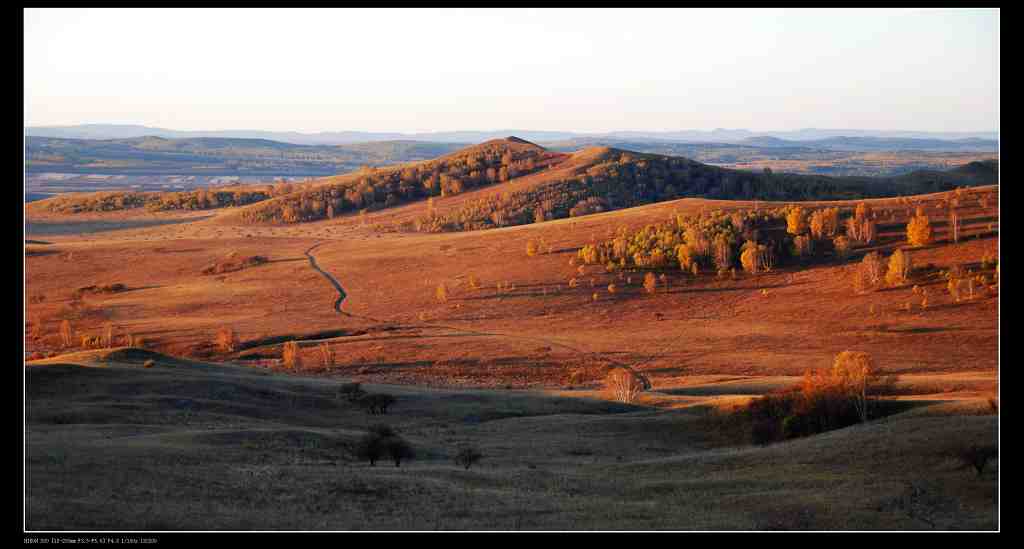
column 199, row 199
column 622, row 179
column 372, row 189
column 755, row 240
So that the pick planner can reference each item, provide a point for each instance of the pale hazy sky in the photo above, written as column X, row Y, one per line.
column 595, row 70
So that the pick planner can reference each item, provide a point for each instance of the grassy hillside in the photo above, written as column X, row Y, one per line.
column 477, row 166
column 183, row 445
column 602, row 179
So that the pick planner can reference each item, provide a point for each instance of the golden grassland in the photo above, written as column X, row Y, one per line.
column 215, row 439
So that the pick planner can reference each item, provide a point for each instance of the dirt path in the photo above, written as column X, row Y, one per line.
column 644, row 381
column 330, row 278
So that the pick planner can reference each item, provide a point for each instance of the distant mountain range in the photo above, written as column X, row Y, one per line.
column 859, row 138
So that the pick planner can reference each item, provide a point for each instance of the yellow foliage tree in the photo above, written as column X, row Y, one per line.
column 796, row 221
column 899, row 268
column 919, row 231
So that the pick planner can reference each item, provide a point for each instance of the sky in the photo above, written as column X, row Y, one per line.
column 586, row 70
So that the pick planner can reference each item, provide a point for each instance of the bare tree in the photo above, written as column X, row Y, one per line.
column 624, row 385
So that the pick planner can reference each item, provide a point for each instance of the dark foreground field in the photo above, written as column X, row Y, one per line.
column 113, row 445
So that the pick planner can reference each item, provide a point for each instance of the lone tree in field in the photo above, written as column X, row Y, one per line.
column 954, row 225
column 868, row 274
column 67, row 334
column 290, row 355
column 108, row 335
column 467, row 457
column 899, row 268
column 624, row 386
column 919, row 230
column 853, row 371
column 227, row 340
column 531, row 248
column 326, row 354
column 650, row 283
column 371, row 445
column 441, row 293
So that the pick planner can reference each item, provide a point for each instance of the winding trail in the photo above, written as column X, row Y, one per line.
column 644, row 381
column 334, row 282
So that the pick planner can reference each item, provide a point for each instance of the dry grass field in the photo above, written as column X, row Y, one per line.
column 513, row 362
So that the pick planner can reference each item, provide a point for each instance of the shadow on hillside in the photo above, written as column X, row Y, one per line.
column 86, row 227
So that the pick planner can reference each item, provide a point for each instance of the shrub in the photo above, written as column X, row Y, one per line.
column 826, row 400
column 370, row 447
column 291, row 356
column 398, row 449
column 976, row 455
column 377, row 404
column 919, row 231
column 611, row 289
column 468, row 456
column 441, row 293
column 351, row 392
column 900, row 266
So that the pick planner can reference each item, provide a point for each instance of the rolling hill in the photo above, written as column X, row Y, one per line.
column 559, row 185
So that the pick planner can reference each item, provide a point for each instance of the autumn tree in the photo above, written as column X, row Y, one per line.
column 824, row 223
column 954, row 225
column 919, row 230
column 326, row 355
column 108, row 335
column 868, row 274
column 441, row 293
column 650, row 282
column 67, row 334
column 803, row 246
column 291, row 356
column 853, row 372
column 841, row 244
column 796, row 221
column 899, row 268
column 227, row 340
column 685, row 257
column 750, row 257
